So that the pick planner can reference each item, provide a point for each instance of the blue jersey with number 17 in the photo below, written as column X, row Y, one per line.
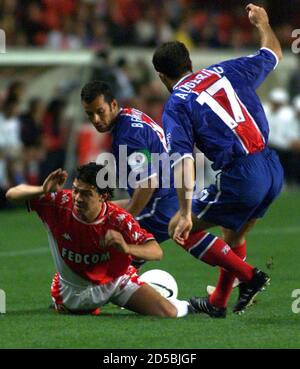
column 218, row 110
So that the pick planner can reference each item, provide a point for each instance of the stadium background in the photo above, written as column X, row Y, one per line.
column 52, row 48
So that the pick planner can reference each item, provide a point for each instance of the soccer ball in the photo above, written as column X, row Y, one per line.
column 162, row 282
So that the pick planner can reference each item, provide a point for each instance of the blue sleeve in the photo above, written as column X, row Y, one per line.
column 178, row 131
column 139, row 144
column 252, row 69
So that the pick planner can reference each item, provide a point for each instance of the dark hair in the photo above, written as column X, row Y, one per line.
column 96, row 88
column 87, row 173
column 172, row 59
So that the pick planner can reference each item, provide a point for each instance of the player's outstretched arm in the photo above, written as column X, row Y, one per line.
column 53, row 183
column 140, row 197
column 259, row 18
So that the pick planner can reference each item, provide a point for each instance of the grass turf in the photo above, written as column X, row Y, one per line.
column 26, row 272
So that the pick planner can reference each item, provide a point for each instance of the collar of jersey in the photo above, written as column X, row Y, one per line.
column 100, row 217
column 116, row 120
column 182, row 79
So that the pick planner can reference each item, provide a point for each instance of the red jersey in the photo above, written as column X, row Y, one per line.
column 78, row 248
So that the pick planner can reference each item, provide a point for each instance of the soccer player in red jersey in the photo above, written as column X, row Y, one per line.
column 92, row 242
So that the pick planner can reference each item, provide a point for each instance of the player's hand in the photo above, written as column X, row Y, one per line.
column 116, row 240
column 180, row 227
column 55, row 181
column 257, row 15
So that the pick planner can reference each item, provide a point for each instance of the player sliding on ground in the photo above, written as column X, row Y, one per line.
column 92, row 242
column 217, row 110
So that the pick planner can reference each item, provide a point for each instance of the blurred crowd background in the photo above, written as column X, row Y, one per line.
column 75, row 24
column 35, row 131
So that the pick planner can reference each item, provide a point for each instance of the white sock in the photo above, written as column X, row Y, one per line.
column 181, row 306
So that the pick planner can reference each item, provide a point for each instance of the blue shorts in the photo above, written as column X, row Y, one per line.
column 242, row 192
column 155, row 218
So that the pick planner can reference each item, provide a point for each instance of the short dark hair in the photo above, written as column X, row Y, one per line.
column 93, row 89
column 87, row 173
column 172, row 59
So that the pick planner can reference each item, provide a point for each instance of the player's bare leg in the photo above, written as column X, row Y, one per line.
column 147, row 301
column 234, row 239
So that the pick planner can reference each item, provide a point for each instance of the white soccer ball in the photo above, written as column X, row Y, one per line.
column 162, row 282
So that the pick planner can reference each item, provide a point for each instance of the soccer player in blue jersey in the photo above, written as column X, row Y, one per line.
column 217, row 109
column 135, row 136
column 153, row 201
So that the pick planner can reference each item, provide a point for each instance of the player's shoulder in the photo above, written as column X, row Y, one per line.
column 138, row 118
column 54, row 200
column 117, row 216
column 59, row 198
column 176, row 103
column 130, row 119
column 134, row 124
column 174, row 100
column 114, row 210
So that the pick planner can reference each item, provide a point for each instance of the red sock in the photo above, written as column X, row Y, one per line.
column 226, row 279
column 214, row 251
column 223, row 289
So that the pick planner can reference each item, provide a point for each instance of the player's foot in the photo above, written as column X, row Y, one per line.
column 248, row 290
column 202, row 305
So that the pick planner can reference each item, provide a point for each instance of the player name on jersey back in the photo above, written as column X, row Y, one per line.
column 192, row 84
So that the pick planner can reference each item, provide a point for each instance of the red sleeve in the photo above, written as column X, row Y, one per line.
column 46, row 205
column 38, row 203
column 130, row 228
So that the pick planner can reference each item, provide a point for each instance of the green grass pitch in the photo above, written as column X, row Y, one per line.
column 26, row 271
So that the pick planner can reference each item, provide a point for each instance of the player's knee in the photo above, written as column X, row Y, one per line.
column 160, row 254
column 233, row 239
